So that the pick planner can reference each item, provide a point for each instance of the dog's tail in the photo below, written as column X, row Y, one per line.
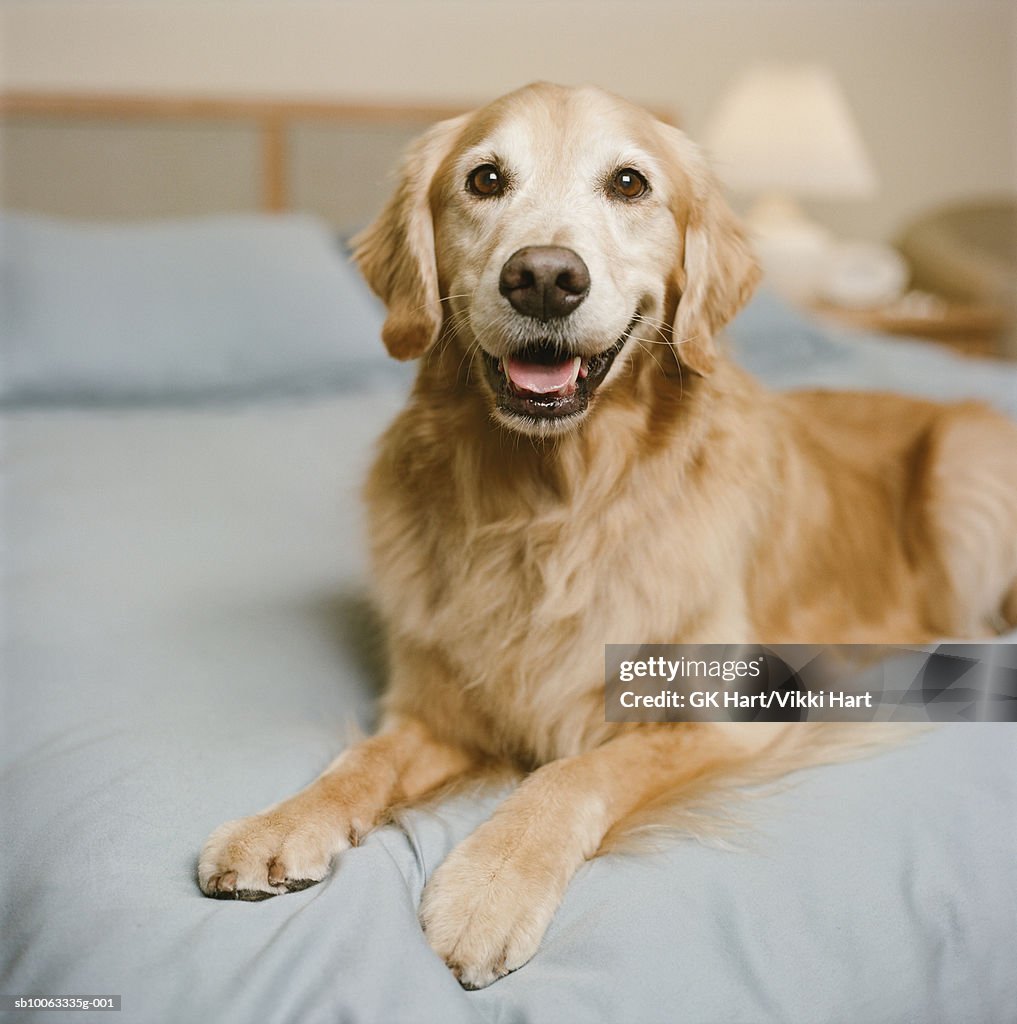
column 715, row 804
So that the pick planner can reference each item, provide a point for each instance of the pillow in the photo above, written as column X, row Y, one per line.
column 788, row 349
column 192, row 309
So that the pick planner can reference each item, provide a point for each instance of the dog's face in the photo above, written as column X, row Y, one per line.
column 556, row 235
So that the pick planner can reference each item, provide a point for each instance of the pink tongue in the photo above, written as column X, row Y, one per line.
column 539, row 378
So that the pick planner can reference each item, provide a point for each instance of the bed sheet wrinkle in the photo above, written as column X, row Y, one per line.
column 172, row 663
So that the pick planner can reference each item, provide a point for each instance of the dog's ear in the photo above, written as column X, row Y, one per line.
column 396, row 253
column 718, row 270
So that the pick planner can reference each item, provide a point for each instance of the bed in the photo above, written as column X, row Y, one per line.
column 188, row 410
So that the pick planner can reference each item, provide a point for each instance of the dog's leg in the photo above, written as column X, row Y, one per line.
column 487, row 906
column 1010, row 609
column 967, row 522
column 290, row 845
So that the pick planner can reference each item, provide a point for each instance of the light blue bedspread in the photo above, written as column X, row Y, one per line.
column 187, row 642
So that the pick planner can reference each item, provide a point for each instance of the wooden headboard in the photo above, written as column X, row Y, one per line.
column 272, row 120
column 123, row 156
column 99, row 156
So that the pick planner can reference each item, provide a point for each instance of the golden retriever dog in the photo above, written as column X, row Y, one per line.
column 579, row 464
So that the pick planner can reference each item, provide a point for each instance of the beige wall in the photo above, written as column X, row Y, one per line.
column 933, row 84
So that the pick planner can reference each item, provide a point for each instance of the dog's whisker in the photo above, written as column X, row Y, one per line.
column 651, row 321
column 467, row 353
column 642, row 344
column 474, row 349
column 648, row 341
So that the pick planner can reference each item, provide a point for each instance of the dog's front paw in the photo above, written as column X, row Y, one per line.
column 487, row 907
column 267, row 854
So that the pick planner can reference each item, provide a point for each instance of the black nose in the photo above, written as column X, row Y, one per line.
column 544, row 281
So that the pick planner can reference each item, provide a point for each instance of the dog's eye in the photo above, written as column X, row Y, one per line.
column 485, row 180
column 629, row 184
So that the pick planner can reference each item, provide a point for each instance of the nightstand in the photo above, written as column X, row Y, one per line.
column 969, row 328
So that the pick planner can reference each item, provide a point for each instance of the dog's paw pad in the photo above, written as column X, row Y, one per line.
column 252, row 895
column 474, row 977
column 255, row 858
column 299, row 884
column 480, row 917
column 225, row 885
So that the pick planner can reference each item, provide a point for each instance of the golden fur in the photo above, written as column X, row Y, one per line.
column 687, row 504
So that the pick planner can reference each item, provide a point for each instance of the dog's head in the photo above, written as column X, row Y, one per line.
column 558, row 233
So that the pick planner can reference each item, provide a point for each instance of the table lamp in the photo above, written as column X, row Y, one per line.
column 782, row 132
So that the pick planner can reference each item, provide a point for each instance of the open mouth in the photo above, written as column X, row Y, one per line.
column 537, row 383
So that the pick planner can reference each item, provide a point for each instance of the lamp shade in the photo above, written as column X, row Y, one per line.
column 788, row 129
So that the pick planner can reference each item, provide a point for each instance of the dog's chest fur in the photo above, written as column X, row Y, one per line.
column 485, row 562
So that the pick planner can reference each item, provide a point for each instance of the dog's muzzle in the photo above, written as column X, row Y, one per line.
column 544, row 379
column 541, row 382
